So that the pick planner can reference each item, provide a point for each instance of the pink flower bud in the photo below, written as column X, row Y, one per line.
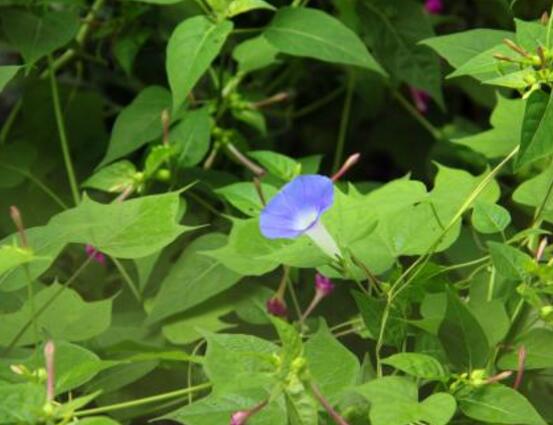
column 434, row 7
column 277, row 307
column 240, row 418
column 323, row 285
column 95, row 255
column 420, row 99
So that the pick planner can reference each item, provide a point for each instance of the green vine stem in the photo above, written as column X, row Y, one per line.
column 63, row 135
column 421, row 119
column 145, row 400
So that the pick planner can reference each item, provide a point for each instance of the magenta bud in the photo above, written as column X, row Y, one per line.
column 420, row 99
column 277, row 307
column 434, row 7
column 240, row 418
column 95, row 255
column 323, row 285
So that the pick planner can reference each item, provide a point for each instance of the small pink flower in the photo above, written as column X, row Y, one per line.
column 240, row 418
column 95, row 255
column 434, row 7
column 421, row 99
column 277, row 307
column 323, row 285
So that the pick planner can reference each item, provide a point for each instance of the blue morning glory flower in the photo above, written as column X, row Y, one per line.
column 297, row 209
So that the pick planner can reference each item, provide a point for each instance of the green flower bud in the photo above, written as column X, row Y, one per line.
column 546, row 313
column 163, row 175
column 478, row 377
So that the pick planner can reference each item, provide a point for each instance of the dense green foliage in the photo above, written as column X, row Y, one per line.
column 141, row 141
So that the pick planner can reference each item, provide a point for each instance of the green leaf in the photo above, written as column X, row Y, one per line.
column 509, row 262
column 46, row 243
column 506, row 121
column 237, row 362
column 12, row 256
column 390, row 389
column 301, row 407
column 490, row 218
column 331, row 365
column 68, row 318
column 418, row 365
column 74, row 366
column 21, row 403
column 217, row 409
column 438, row 409
column 37, row 36
column 244, row 197
column 244, row 244
column 498, row 404
column 130, row 229
column 116, row 177
column 459, row 48
column 191, row 137
column 127, row 46
column 533, row 193
column 157, row 157
column 306, row 32
column 463, row 338
column 192, row 47
column 394, row 29
column 485, row 66
column 7, row 72
column 537, row 129
column 538, row 343
column 138, row 123
column 278, row 165
column 236, row 7
column 291, row 341
column 253, row 54
column 530, row 35
column 192, row 279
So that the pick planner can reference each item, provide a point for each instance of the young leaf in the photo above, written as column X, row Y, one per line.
column 394, row 29
column 253, row 54
column 7, row 72
column 37, row 36
column 116, row 177
column 509, row 262
column 418, row 365
column 12, row 256
column 277, row 164
column 192, row 47
column 490, row 218
column 537, row 129
column 498, row 404
column 192, row 279
column 191, row 136
column 236, row 7
column 534, row 192
column 138, row 123
column 306, row 32
column 463, row 338
column 244, row 197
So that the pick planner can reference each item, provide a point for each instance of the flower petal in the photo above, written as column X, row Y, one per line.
column 297, row 207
